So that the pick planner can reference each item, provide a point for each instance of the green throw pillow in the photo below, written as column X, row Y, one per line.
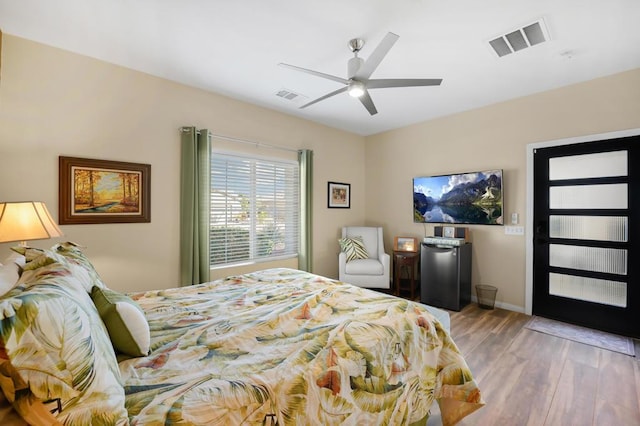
column 125, row 321
column 354, row 248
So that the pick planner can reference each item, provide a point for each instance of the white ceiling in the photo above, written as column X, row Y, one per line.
column 233, row 48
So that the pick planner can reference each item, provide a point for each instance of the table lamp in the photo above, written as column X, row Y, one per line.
column 27, row 220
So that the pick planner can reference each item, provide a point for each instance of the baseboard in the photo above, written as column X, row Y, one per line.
column 502, row 305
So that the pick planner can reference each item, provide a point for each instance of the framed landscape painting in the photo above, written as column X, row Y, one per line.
column 102, row 191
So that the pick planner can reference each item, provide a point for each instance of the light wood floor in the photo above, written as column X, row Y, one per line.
column 530, row 378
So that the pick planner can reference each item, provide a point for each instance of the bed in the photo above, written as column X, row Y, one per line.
column 278, row 346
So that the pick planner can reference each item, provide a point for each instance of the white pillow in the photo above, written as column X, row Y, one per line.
column 10, row 272
column 16, row 258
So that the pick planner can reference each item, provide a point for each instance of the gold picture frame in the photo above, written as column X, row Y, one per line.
column 102, row 191
column 408, row 244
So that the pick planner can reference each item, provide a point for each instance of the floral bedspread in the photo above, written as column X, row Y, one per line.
column 286, row 347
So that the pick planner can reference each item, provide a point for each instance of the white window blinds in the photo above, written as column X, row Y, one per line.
column 254, row 209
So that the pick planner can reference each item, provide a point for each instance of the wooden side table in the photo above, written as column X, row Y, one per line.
column 407, row 262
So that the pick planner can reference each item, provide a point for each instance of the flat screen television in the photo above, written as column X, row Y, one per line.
column 471, row 198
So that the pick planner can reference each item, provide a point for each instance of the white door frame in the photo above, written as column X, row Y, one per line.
column 529, row 234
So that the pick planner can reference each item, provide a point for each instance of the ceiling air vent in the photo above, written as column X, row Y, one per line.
column 286, row 94
column 524, row 37
column 289, row 95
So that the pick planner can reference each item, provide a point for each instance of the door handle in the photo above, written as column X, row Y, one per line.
column 541, row 236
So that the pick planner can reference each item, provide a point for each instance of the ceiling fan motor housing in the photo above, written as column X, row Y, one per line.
column 353, row 66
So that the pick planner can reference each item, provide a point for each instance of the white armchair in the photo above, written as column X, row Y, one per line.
column 373, row 272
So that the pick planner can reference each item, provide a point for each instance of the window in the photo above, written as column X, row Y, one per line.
column 254, row 209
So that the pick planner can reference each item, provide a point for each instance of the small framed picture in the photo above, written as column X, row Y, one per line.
column 339, row 195
column 405, row 244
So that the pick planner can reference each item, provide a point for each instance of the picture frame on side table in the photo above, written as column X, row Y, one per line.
column 408, row 244
column 339, row 195
column 101, row 191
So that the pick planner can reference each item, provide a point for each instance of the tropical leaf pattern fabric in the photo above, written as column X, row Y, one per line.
column 54, row 347
column 354, row 248
column 73, row 253
column 290, row 347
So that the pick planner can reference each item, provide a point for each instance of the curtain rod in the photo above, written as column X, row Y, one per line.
column 244, row 141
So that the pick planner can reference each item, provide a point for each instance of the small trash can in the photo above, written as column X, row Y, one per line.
column 486, row 296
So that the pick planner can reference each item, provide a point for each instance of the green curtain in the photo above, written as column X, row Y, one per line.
column 305, row 160
column 195, row 196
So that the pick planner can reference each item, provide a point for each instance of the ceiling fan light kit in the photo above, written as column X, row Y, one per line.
column 357, row 83
column 356, row 88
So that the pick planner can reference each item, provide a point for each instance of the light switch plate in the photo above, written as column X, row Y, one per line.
column 514, row 230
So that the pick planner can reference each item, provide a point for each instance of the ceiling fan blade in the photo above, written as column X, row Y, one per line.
column 328, row 95
column 402, row 82
column 377, row 56
column 316, row 73
column 368, row 103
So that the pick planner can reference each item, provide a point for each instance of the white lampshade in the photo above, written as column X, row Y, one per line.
column 28, row 220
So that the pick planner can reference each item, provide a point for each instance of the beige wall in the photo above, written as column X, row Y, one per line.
column 54, row 102
column 489, row 138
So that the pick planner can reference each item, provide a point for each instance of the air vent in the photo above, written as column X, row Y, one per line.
column 290, row 95
column 286, row 94
column 520, row 39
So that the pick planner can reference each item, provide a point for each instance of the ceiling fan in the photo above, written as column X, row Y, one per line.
column 359, row 71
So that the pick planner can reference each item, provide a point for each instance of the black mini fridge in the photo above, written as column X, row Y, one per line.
column 445, row 276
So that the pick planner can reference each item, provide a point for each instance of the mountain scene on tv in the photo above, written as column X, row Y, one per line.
column 471, row 198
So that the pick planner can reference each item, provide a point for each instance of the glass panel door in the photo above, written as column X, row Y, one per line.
column 584, row 206
column 604, row 228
